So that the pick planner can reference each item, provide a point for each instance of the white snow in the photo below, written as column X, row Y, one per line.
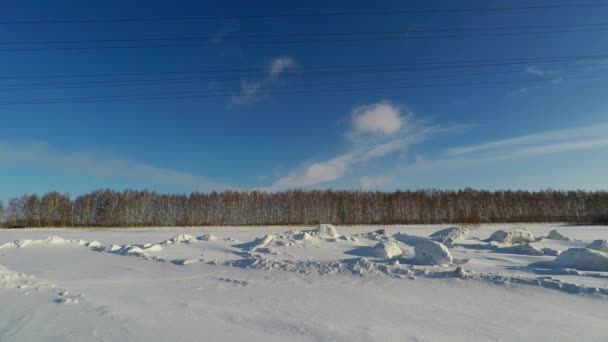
column 320, row 284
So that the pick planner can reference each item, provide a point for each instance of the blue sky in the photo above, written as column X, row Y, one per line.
column 546, row 133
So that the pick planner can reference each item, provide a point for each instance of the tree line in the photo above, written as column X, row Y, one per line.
column 130, row 208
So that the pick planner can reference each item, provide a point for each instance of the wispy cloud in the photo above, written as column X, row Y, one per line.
column 394, row 131
column 572, row 134
column 93, row 164
column 279, row 65
column 225, row 30
column 525, row 146
column 252, row 90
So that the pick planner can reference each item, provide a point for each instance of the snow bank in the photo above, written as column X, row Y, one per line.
column 583, row 259
column 523, row 248
column 432, row 253
column 555, row 235
column 51, row 240
column 386, row 250
column 512, row 236
column 266, row 244
column 450, row 236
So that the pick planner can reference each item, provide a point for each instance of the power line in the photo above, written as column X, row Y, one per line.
column 320, row 34
column 287, row 42
column 461, row 63
column 159, row 97
column 296, row 15
column 262, row 76
column 199, row 80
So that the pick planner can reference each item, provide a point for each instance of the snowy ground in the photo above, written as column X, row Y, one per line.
column 238, row 284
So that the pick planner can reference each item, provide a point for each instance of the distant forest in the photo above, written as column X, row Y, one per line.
column 108, row 208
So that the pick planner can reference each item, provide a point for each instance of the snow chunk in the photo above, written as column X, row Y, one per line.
column 184, row 262
column 207, row 237
column 432, row 253
column 325, row 231
column 79, row 242
column 583, row 259
column 387, row 250
column 53, row 240
column 94, row 244
column 23, row 242
column 512, row 236
column 8, row 245
column 258, row 243
column 599, row 245
column 132, row 250
column 524, row 249
column 550, row 251
column 450, row 236
column 112, row 248
column 153, row 248
column 183, row 238
column 555, row 235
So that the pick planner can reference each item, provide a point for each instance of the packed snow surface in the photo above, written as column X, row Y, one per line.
column 325, row 283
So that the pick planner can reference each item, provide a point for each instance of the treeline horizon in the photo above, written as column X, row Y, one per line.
column 132, row 208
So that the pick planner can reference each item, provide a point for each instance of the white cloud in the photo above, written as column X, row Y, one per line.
column 93, row 164
column 315, row 173
column 279, row 65
column 383, row 118
column 374, row 182
column 252, row 90
column 398, row 133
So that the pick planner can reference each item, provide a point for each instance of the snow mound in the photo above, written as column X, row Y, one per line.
column 387, row 250
column 94, row 244
column 523, row 248
column 550, row 251
column 512, row 236
column 23, row 242
column 7, row 245
column 599, row 245
column 450, row 236
column 54, row 240
column 112, row 248
column 181, row 238
column 583, row 259
column 261, row 242
column 432, row 253
column 377, row 235
column 184, row 262
column 325, row 231
column 555, row 235
column 207, row 237
column 131, row 250
column 153, row 248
